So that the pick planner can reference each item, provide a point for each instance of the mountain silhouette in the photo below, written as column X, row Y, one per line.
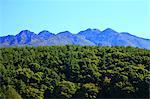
column 91, row 37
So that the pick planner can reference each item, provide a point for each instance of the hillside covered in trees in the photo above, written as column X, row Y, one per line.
column 74, row 72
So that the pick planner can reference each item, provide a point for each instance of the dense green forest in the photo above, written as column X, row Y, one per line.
column 74, row 72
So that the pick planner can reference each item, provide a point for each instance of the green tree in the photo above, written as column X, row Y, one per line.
column 88, row 90
column 11, row 93
column 65, row 89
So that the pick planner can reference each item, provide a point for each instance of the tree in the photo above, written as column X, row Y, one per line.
column 75, row 72
column 88, row 90
column 65, row 89
column 11, row 93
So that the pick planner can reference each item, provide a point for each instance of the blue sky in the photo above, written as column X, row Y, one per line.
column 131, row 16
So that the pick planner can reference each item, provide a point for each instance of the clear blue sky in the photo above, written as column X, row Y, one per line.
column 131, row 16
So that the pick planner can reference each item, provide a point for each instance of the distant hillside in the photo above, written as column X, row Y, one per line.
column 108, row 37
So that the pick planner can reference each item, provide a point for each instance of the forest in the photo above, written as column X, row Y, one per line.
column 74, row 72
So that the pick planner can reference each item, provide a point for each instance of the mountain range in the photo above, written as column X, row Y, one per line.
column 91, row 37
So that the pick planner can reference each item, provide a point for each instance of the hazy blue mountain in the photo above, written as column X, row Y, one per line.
column 7, row 40
column 107, row 37
column 45, row 34
column 90, row 34
column 110, row 37
column 135, row 41
column 21, row 39
column 25, row 37
column 99, row 37
column 64, row 38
